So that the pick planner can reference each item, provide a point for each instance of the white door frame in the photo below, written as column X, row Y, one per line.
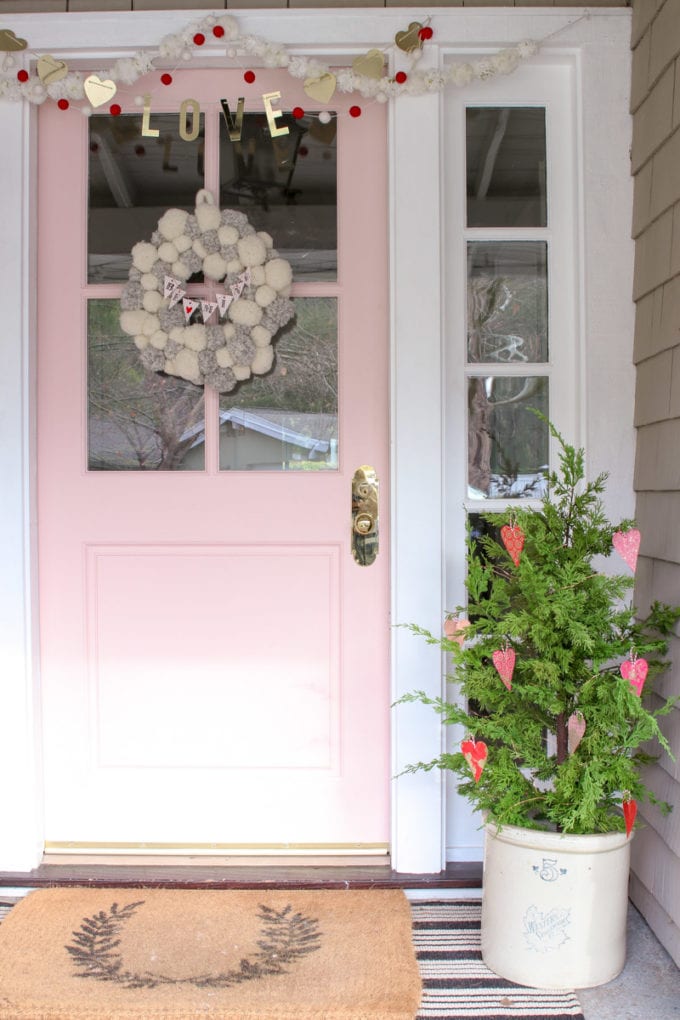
column 599, row 47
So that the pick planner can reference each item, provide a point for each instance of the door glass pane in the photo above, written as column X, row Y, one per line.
column 287, row 420
column 507, row 285
column 506, row 156
column 507, row 444
column 132, row 181
column 138, row 419
column 286, row 186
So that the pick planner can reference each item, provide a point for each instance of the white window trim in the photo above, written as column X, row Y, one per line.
column 600, row 50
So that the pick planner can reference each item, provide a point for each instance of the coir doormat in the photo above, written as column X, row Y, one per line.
column 163, row 954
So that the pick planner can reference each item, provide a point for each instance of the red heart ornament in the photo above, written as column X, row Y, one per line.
column 513, row 540
column 475, row 753
column 576, row 727
column 635, row 672
column 454, row 630
column 629, row 813
column 627, row 545
column 504, row 661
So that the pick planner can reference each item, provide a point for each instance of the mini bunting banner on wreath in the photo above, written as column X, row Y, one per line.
column 225, row 247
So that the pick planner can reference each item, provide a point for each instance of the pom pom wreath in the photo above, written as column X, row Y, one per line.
column 221, row 244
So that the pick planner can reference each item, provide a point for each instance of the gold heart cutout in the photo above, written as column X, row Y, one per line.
column 321, row 88
column 369, row 64
column 97, row 91
column 9, row 41
column 409, row 40
column 324, row 133
column 51, row 70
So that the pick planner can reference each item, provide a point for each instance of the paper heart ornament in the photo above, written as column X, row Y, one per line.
column 370, row 64
column 629, row 813
column 409, row 40
column 504, row 661
column 627, row 545
column 97, row 91
column 635, row 672
column 322, row 88
column 576, row 727
column 454, row 630
column 512, row 537
column 9, row 42
column 51, row 70
column 475, row 753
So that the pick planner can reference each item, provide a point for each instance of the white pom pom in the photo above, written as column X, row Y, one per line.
column 261, row 337
column 186, row 366
column 172, row 223
column 141, row 342
column 182, row 243
column 266, row 238
column 325, row 117
column 181, row 271
column 159, row 339
column 241, row 372
column 263, row 360
column 208, row 217
column 168, row 252
column 257, row 276
column 150, row 324
column 264, row 295
column 131, row 322
column 149, row 281
column 214, row 266
column 228, row 235
column 144, row 256
column 195, row 338
column 278, row 274
column 224, row 358
column 244, row 312
column 199, row 248
column 152, row 300
column 234, row 266
column 252, row 250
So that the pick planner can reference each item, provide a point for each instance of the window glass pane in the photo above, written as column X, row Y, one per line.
column 288, row 419
column 133, row 180
column 138, row 420
column 507, row 444
column 286, row 186
column 507, row 285
column 506, row 156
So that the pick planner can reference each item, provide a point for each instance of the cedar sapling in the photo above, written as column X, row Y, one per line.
column 570, row 628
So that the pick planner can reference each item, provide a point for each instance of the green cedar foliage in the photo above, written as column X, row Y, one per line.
column 571, row 628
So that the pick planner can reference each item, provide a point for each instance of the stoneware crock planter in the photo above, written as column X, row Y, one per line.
column 554, row 906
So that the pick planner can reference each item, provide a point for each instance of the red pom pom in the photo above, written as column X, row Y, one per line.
column 218, row 31
column 400, row 77
column 425, row 33
column 22, row 75
column 298, row 112
column 166, row 79
column 115, row 110
column 249, row 76
column 303, row 151
column 139, row 150
column 199, row 39
column 355, row 111
column 62, row 104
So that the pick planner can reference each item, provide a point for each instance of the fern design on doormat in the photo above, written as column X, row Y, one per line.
column 285, row 937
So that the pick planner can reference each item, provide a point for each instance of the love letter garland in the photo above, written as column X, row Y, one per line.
column 513, row 540
column 225, row 247
column 504, row 661
column 627, row 545
column 475, row 753
column 629, row 812
column 635, row 671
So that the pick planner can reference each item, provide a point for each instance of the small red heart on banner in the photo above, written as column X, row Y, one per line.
column 629, row 813
column 576, row 727
column 635, row 671
column 475, row 753
column 513, row 540
column 504, row 661
column 627, row 545
column 454, row 630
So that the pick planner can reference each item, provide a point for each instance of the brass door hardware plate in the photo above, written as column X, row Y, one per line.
column 365, row 518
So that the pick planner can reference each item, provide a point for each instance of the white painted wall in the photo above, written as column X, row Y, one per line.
column 599, row 50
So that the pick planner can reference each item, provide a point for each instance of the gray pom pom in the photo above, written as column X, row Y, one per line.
column 172, row 348
column 241, row 347
column 229, row 252
column 215, row 337
column 277, row 314
column 135, row 274
column 211, row 241
column 207, row 362
column 191, row 260
column 153, row 359
column 132, row 296
column 161, row 270
column 232, row 218
column 223, row 379
column 191, row 227
column 169, row 318
column 157, row 238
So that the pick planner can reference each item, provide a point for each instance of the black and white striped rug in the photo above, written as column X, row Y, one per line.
column 457, row 984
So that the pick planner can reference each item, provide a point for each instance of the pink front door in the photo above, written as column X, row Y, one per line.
column 214, row 661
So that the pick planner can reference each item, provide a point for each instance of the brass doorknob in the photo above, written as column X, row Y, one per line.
column 363, row 523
